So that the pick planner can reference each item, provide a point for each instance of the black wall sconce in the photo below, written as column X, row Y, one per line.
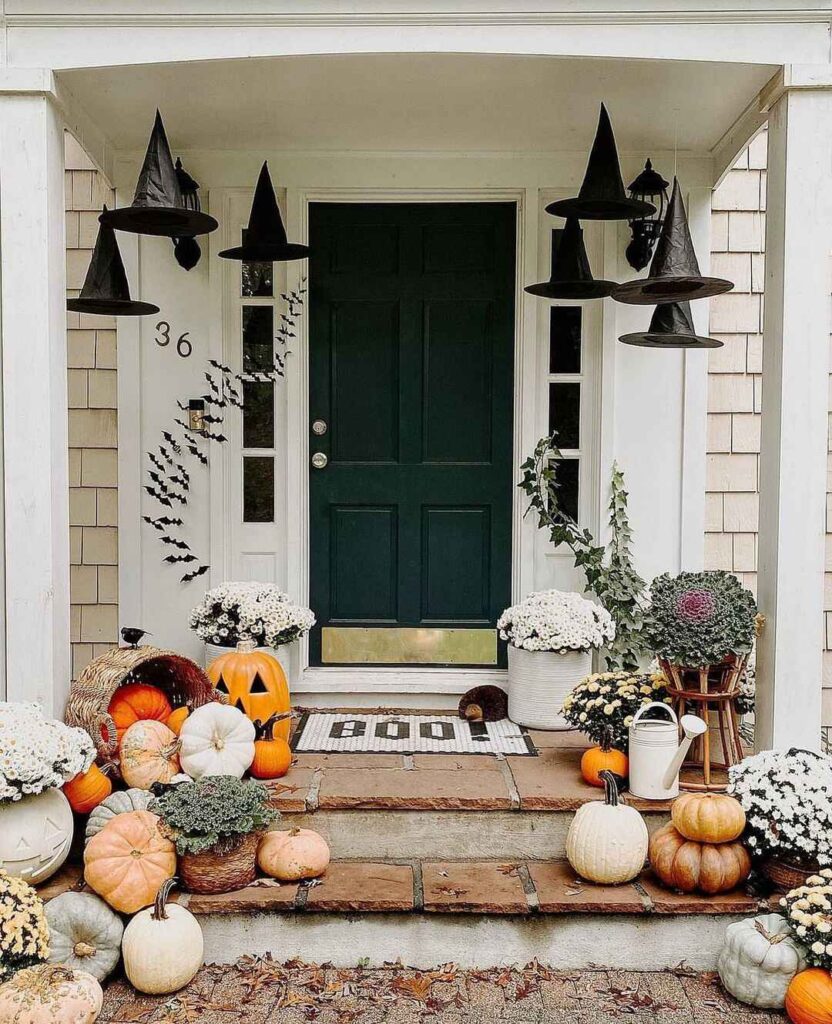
column 650, row 187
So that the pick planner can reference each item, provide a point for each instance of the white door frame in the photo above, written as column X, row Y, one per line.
column 392, row 680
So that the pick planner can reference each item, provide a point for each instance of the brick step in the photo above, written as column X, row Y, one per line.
column 476, row 913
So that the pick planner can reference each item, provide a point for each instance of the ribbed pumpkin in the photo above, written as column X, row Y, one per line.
column 128, row 860
column 708, row 817
column 272, row 754
column 87, row 790
column 704, row 867
column 84, row 934
column 50, row 994
column 607, row 842
column 149, row 753
column 254, row 682
column 162, row 946
column 120, row 802
column 603, row 758
column 137, row 702
column 809, row 997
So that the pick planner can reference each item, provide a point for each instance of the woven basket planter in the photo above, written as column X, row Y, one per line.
column 783, row 875
column 538, row 682
column 181, row 680
column 221, row 869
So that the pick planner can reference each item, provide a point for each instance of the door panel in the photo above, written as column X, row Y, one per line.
column 411, row 366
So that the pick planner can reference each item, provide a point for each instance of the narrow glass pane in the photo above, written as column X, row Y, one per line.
column 257, row 278
column 258, row 338
column 258, row 414
column 567, row 492
column 565, row 339
column 258, row 489
column 565, row 414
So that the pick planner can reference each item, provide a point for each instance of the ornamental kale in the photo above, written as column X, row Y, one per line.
column 212, row 812
column 699, row 618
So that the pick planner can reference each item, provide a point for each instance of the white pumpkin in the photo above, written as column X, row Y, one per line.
column 163, row 946
column 84, row 934
column 217, row 739
column 759, row 959
column 607, row 842
column 120, row 802
column 35, row 835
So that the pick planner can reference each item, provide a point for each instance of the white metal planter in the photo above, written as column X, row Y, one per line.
column 538, row 683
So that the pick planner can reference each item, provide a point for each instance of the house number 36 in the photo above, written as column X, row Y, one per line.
column 163, row 338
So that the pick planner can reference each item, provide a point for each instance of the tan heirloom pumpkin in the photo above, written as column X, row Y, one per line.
column 708, row 817
column 294, row 855
column 162, row 946
column 128, row 860
column 50, row 994
column 689, row 866
column 607, row 842
column 254, row 682
column 149, row 753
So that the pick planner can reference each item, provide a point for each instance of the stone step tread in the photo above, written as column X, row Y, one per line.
column 457, row 887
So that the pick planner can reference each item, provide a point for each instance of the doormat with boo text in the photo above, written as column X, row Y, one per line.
column 320, row 732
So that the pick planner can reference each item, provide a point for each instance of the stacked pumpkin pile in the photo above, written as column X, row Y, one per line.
column 699, row 850
column 188, row 810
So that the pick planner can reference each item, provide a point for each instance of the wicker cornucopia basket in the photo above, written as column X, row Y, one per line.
column 182, row 681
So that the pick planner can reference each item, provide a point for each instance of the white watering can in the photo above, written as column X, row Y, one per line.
column 656, row 755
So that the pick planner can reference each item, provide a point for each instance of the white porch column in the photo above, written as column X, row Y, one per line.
column 34, row 399
column 795, row 405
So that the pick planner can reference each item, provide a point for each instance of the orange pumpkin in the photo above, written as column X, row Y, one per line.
column 603, row 758
column 176, row 719
column 149, row 753
column 703, row 867
column 87, row 790
column 128, row 860
column 254, row 682
column 809, row 997
column 708, row 817
column 137, row 702
column 272, row 754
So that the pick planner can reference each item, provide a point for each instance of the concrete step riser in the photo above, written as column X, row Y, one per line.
column 445, row 835
column 568, row 941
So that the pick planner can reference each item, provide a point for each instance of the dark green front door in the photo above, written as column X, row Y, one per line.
column 411, row 365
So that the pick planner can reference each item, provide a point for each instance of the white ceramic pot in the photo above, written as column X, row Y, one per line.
column 538, row 682
column 35, row 835
column 214, row 651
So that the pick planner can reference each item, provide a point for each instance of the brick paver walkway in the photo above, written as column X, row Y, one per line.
column 263, row 992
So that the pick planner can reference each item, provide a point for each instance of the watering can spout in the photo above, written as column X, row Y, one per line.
column 693, row 727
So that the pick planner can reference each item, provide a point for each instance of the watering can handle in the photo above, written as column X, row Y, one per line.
column 655, row 704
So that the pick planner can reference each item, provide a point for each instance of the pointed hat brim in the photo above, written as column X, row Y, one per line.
column 111, row 307
column 571, row 289
column 671, row 326
column 601, row 209
column 648, row 291
column 166, row 221
column 267, row 252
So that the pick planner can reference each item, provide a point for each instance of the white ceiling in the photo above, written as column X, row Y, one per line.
column 437, row 102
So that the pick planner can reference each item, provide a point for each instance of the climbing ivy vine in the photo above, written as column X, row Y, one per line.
column 609, row 571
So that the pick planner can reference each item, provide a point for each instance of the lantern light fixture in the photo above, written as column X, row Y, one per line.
column 649, row 187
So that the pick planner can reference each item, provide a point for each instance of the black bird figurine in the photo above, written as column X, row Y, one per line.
column 133, row 636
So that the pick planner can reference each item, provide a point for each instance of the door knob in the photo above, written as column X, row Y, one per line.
column 319, row 460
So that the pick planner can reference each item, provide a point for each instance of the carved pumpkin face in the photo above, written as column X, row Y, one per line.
column 255, row 683
column 36, row 836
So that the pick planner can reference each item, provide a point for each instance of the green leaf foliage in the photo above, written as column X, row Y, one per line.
column 214, row 810
column 609, row 571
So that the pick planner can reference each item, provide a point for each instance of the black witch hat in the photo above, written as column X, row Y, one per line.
column 265, row 237
column 157, row 207
column 571, row 276
column 674, row 273
column 602, row 195
column 670, row 327
column 106, row 291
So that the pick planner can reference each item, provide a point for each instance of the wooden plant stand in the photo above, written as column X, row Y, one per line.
column 711, row 690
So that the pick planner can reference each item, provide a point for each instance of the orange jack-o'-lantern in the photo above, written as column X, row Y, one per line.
column 254, row 682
